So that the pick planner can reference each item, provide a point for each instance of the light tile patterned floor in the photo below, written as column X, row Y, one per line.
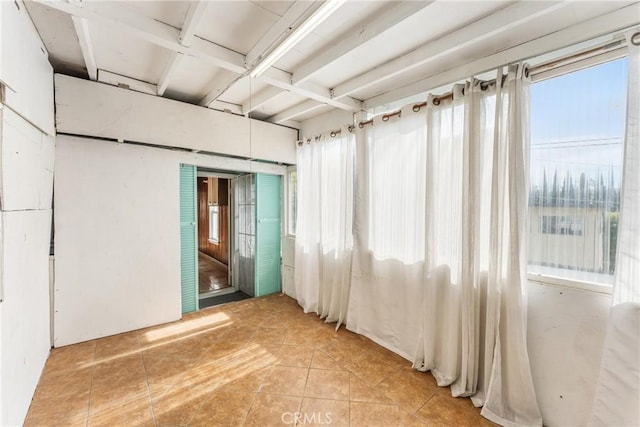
column 256, row 362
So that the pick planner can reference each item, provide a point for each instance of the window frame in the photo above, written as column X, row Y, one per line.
column 291, row 202
column 214, row 225
column 548, row 279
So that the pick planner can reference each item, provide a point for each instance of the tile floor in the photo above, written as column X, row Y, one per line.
column 212, row 276
column 255, row 362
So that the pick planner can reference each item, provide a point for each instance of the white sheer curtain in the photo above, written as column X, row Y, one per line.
column 617, row 400
column 473, row 334
column 389, row 239
column 324, row 225
column 439, row 269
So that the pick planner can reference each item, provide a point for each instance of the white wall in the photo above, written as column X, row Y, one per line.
column 25, row 308
column 26, row 181
column 566, row 329
column 24, row 67
column 117, row 240
column 95, row 109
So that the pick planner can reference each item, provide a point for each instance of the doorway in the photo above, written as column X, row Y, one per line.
column 230, row 231
column 213, row 235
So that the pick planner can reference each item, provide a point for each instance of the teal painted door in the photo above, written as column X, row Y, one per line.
column 268, row 234
column 188, row 238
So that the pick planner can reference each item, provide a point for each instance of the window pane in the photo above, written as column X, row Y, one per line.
column 214, row 224
column 577, row 127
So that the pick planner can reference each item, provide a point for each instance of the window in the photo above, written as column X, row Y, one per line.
column 292, row 208
column 214, row 224
column 577, row 129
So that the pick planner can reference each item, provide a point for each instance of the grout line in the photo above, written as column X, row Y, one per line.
column 253, row 401
column 93, row 370
column 146, row 378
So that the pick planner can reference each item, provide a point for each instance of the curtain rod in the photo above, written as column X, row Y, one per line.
column 332, row 134
column 617, row 44
column 529, row 71
column 484, row 84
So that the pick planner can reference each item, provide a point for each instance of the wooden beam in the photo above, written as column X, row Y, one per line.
column 82, row 31
column 160, row 34
column 601, row 25
column 295, row 111
column 195, row 13
column 490, row 26
column 185, row 38
column 150, row 30
column 264, row 96
column 396, row 13
column 282, row 79
column 167, row 72
column 278, row 31
column 220, row 86
column 391, row 16
column 293, row 17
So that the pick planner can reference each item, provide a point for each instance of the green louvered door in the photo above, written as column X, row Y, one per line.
column 188, row 238
column 268, row 234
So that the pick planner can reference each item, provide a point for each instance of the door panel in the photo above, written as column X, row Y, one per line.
column 244, row 251
column 188, row 239
column 268, row 234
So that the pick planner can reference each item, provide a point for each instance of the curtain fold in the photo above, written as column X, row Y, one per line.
column 438, row 269
column 386, row 282
column 439, row 243
column 473, row 330
column 324, row 237
column 618, row 391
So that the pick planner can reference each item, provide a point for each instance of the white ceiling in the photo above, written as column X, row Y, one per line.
column 373, row 51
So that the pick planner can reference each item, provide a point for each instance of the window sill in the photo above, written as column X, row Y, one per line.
column 213, row 242
column 570, row 283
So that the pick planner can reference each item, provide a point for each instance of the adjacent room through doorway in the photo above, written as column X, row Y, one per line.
column 213, row 236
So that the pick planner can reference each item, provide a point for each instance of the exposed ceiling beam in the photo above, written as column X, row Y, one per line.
column 195, row 13
column 166, row 36
column 151, row 89
column 294, row 35
column 490, row 26
column 394, row 14
column 601, row 25
column 278, row 31
column 220, row 86
column 261, row 98
column 278, row 38
column 167, row 72
column 150, row 30
column 82, row 30
column 185, row 38
column 295, row 111
column 391, row 16
column 282, row 79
